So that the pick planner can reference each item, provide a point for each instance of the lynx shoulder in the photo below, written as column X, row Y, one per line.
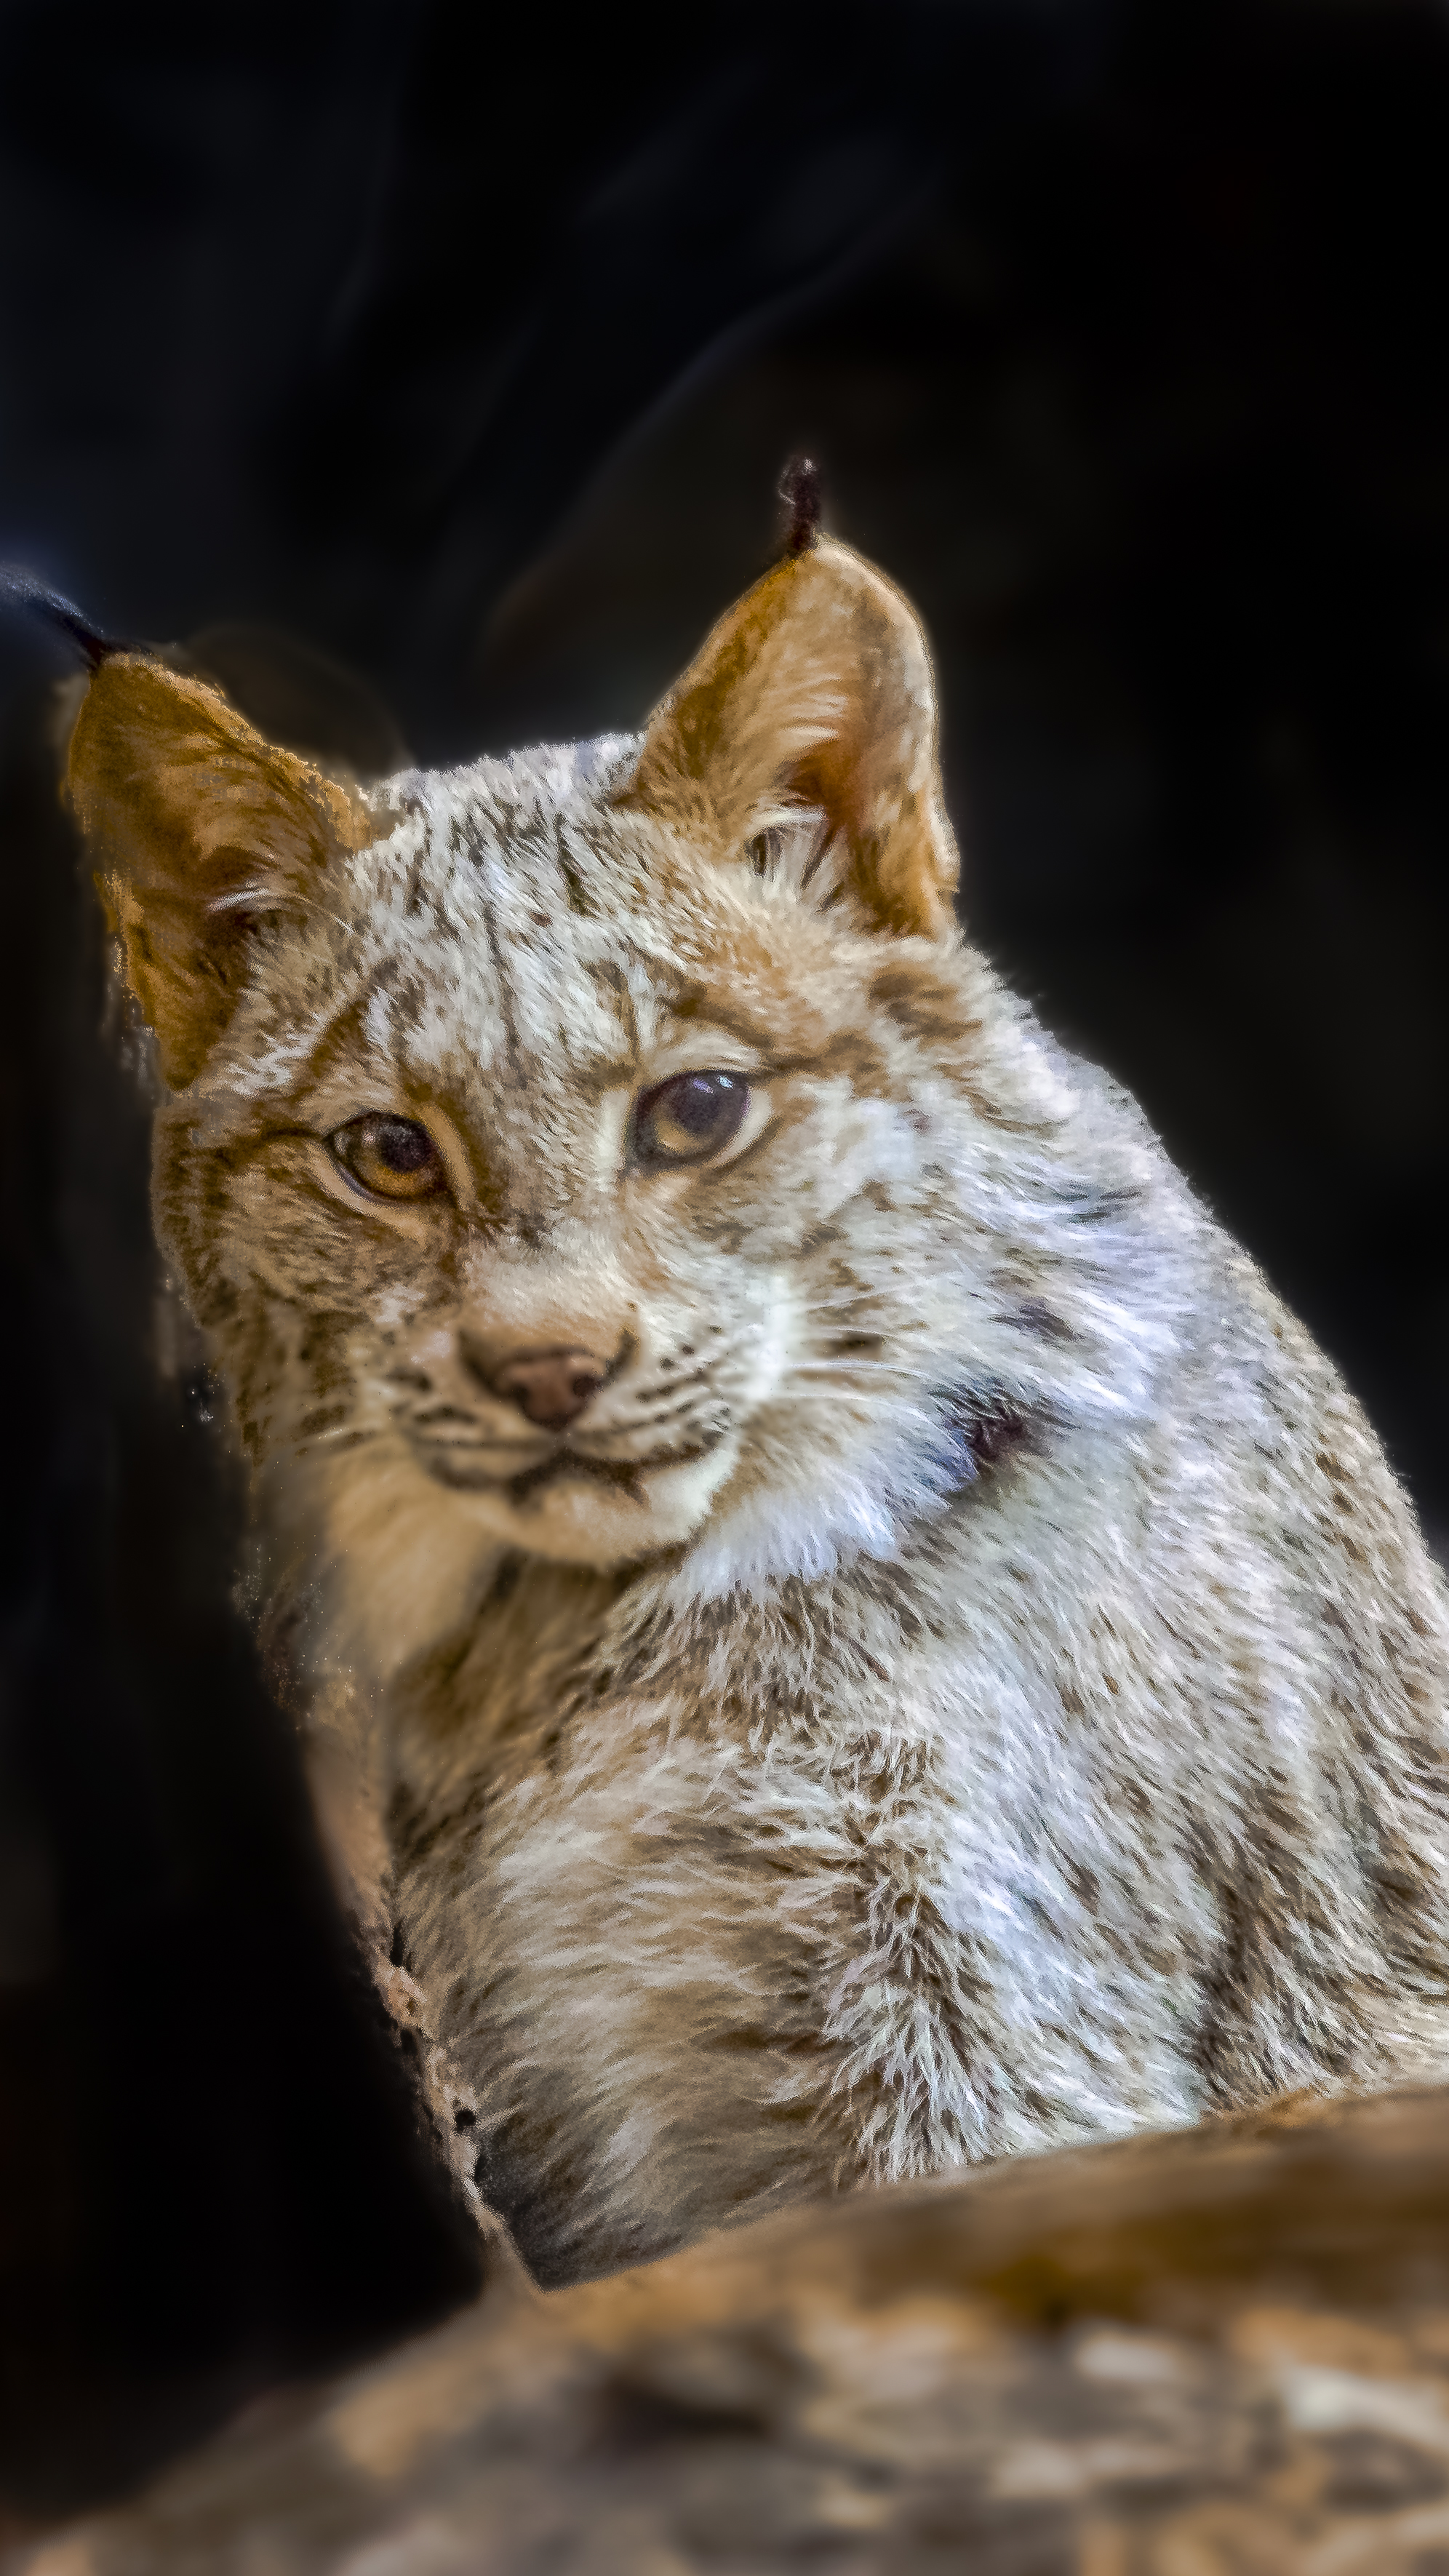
column 841, row 1629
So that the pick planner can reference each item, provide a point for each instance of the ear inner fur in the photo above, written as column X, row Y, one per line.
column 203, row 822
column 816, row 688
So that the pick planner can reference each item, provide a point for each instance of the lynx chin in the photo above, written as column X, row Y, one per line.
column 839, row 1627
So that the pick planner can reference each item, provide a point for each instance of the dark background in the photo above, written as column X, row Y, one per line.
column 464, row 352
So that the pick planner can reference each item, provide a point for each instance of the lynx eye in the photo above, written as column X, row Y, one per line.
column 394, row 1158
column 689, row 1118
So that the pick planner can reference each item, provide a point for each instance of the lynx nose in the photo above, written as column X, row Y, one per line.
column 550, row 1388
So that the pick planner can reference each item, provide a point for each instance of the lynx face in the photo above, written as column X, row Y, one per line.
column 600, row 1184
column 593, row 1184
column 600, row 1151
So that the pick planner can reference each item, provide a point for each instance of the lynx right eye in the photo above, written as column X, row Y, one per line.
column 393, row 1158
column 689, row 1119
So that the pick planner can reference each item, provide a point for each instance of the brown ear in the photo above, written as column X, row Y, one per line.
column 200, row 824
column 815, row 690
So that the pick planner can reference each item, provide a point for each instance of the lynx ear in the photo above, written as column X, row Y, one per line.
column 815, row 690
column 200, row 825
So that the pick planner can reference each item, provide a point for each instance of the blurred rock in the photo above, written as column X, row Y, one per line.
column 1219, row 2353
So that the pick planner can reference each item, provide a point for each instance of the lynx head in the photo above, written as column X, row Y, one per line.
column 604, row 1152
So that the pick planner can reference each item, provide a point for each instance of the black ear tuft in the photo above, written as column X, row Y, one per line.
column 800, row 490
column 23, row 590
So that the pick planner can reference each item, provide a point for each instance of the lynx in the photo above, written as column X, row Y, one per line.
column 840, row 1628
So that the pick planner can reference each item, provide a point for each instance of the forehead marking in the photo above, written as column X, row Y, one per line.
column 350, row 1015
column 377, row 1017
column 574, row 894
column 466, row 844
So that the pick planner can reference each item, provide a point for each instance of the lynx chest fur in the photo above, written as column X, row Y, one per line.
column 840, row 1629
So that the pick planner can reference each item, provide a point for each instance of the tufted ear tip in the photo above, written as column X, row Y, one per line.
column 800, row 492
column 29, row 596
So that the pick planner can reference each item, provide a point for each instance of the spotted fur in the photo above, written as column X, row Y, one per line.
column 969, row 1680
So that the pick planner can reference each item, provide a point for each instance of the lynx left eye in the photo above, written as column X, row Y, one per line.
column 394, row 1158
column 689, row 1118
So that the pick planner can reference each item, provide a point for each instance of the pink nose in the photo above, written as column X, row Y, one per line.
column 550, row 1388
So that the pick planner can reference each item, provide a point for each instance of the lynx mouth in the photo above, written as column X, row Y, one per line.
column 452, row 1466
